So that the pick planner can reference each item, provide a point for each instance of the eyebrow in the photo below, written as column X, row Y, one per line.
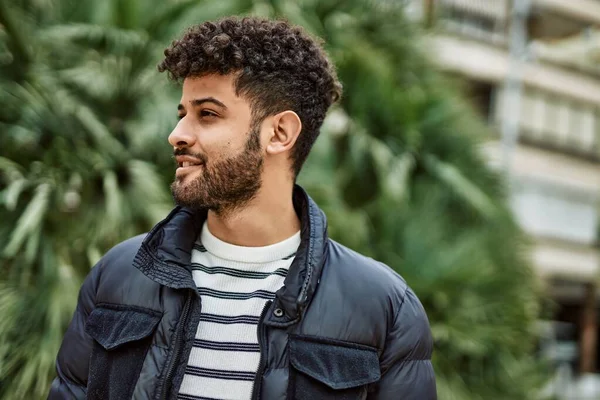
column 198, row 102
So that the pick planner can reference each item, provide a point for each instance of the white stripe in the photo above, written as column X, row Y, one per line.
column 216, row 388
column 224, row 360
column 230, row 308
column 243, row 333
column 238, row 285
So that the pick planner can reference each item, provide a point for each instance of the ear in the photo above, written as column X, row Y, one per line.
column 286, row 128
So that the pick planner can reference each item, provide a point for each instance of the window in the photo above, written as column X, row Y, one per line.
column 551, row 120
column 564, row 114
column 480, row 95
column 587, row 129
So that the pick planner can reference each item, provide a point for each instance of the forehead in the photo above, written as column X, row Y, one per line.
column 221, row 87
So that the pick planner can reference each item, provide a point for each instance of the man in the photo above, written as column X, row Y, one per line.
column 239, row 293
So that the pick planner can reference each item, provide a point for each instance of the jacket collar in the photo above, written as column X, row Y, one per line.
column 165, row 256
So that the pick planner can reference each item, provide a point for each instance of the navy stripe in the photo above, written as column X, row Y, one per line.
column 227, row 346
column 181, row 396
column 238, row 273
column 200, row 248
column 223, row 319
column 290, row 256
column 220, row 374
column 261, row 294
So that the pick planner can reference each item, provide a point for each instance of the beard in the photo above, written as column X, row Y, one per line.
column 223, row 185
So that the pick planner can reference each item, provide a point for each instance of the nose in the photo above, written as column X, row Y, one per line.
column 182, row 137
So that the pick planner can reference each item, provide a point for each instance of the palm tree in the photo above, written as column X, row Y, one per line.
column 83, row 120
column 78, row 159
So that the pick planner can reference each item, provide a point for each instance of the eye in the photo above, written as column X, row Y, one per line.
column 207, row 113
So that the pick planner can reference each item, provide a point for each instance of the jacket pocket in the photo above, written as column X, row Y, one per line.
column 330, row 369
column 122, row 336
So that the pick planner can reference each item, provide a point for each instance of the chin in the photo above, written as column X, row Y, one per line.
column 184, row 194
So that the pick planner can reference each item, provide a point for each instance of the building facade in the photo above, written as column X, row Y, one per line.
column 532, row 68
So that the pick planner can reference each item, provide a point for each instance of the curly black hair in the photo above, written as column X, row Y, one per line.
column 280, row 67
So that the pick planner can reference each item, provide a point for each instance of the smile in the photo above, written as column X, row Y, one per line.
column 186, row 164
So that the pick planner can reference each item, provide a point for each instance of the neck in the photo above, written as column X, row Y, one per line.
column 269, row 218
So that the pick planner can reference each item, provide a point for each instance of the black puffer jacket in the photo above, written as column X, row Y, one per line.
column 343, row 326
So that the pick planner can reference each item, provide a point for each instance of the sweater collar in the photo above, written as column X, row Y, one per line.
column 284, row 249
column 165, row 256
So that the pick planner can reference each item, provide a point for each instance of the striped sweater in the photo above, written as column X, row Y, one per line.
column 234, row 283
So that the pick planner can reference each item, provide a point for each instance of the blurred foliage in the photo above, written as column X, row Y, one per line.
column 84, row 163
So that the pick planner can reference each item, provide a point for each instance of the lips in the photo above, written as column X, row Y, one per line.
column 187, row 161
column 188, row 164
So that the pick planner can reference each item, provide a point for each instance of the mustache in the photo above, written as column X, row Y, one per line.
column 186, row 152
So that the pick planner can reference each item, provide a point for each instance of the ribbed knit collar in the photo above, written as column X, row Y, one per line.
column 263, row 254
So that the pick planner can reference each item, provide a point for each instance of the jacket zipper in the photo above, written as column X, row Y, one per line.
column 262, row 344
column 177, row 347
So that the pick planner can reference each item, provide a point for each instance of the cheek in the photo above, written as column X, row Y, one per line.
column 223, row 138
column 219, row 137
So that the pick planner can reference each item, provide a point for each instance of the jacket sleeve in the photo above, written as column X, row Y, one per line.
column 406, row 369
column 72, row 362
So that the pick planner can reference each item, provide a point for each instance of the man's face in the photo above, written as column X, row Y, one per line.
column 217, row 146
